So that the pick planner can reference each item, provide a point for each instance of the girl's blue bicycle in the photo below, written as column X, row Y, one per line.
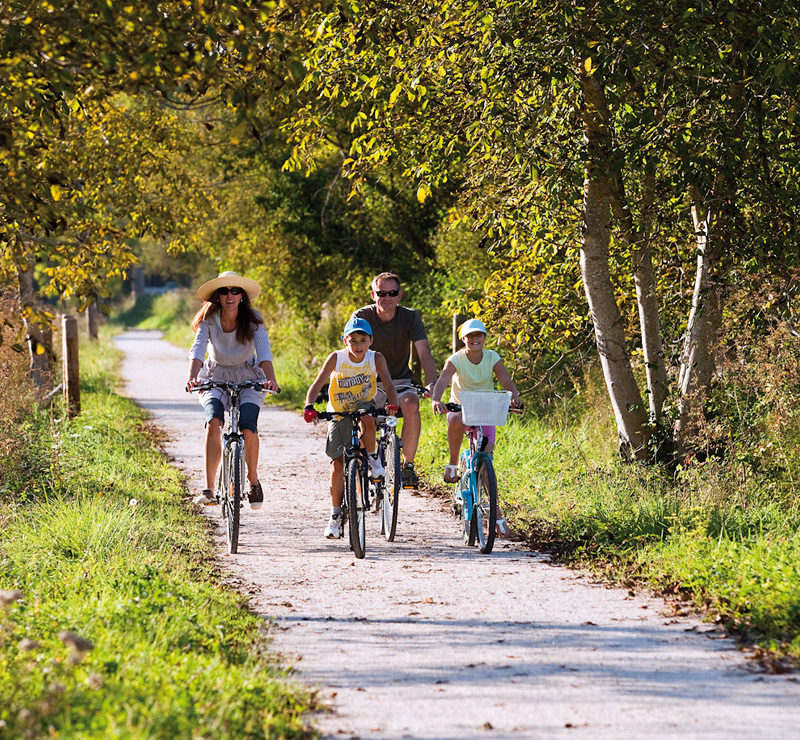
column 475, row 495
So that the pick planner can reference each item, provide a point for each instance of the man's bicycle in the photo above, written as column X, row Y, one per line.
column 232, row 470
column 358, row 494
column 386, row 490
column 474, row 500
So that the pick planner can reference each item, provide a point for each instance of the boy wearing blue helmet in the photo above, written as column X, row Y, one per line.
column 353, row 374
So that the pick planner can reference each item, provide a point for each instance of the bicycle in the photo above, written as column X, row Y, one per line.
column 232, row 469
column 386, row 490
column 475, row 495
column 358, row 494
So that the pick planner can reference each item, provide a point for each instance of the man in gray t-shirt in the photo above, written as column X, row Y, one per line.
column 394, row 328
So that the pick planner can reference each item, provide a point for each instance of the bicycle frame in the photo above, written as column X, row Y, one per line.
column 468, row 467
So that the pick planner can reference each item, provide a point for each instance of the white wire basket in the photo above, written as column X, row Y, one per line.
column 484, row 408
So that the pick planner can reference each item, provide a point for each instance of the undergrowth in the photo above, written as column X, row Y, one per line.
column 113, row 622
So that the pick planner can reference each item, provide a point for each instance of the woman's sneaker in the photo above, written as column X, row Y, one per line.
column 334, row 529
column 256, row 496
column 205, row 497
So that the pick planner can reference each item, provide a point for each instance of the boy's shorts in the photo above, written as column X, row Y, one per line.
column 340, row 433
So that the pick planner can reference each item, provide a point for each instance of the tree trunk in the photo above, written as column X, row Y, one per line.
column 38, row 333
column 626, row 400
column 646, row 296
column 697, row 360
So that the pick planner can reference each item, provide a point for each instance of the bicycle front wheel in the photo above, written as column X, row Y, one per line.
column 233, row 496
column 392, row 486
column 356, row 494
column 485, row 514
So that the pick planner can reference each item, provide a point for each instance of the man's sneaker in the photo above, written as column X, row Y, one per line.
column 375, row 467
column 410, row 478
column 256, row 496
column 334, row 529
column 205, row 497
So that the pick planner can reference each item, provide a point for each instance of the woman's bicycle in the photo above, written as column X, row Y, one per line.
column 475, row 495
column 358, row 494
column 232, row 470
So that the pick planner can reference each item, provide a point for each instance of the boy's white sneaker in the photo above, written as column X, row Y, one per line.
column 375, row 467
column 334, row 529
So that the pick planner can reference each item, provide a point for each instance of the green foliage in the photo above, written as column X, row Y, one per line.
column 108, row 551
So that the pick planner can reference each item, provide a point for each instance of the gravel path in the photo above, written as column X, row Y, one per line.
column 427, row 639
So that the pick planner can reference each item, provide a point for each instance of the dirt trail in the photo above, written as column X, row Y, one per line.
column 426, row 639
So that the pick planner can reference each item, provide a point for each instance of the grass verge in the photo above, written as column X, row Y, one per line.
column 729, row 552
column 97, row 545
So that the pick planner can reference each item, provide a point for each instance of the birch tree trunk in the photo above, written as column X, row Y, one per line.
column 646, row 295
column 697, row 360
column 626, row 400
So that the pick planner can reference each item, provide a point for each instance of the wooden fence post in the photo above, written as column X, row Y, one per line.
column 72, row 383
column 458, row 319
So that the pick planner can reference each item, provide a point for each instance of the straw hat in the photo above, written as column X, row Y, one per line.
column 229, row 279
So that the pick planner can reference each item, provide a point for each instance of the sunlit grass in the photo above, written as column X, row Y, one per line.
column 108, row 549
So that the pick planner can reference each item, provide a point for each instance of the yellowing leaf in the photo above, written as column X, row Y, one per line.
column 55, row 191
column 423, row 192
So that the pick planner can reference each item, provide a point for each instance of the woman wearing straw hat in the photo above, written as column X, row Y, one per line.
column 238, row 350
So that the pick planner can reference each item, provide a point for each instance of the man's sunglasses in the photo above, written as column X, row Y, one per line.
column 390, row 293
column 232, row 291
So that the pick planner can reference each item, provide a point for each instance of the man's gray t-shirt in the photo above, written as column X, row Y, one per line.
column 393, row 338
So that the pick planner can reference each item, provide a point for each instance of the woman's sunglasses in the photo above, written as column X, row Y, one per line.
column 232, row 291
column 390, row 293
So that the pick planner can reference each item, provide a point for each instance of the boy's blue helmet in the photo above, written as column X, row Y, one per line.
column 354, row 324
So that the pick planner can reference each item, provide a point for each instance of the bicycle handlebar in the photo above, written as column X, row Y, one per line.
column 331, row 415
column 227, row 386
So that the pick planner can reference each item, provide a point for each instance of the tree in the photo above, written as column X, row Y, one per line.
column 65, row 69
column 527, row 100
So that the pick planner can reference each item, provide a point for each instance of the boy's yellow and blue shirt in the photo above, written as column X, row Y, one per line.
column 352, row 384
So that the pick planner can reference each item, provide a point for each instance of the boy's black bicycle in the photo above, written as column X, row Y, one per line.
column 232, row 470
column 358, row 495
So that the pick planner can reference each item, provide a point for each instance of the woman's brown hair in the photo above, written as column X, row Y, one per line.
column 247, row 320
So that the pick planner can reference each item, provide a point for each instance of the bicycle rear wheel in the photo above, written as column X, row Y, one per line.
column 392, row 486
column 485, row 513
column 356, row 494
column 233, row 496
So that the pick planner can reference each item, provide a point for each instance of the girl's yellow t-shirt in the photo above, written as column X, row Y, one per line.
column 352, row 384
column 471, row 377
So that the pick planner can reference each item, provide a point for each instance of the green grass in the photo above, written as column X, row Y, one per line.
column 732, row 552
column 107, row 548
